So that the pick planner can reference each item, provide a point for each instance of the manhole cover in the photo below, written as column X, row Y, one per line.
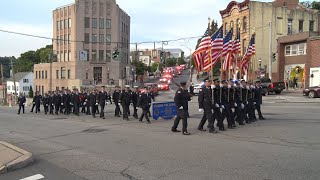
column 94, row 130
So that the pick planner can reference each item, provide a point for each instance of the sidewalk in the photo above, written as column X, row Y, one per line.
column 12, row 157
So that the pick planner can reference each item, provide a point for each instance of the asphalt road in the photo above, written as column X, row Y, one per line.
column 286, row 146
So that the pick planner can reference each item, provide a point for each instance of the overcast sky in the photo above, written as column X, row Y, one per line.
column 151, row 20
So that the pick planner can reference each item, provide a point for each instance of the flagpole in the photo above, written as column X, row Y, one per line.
column 210, row 57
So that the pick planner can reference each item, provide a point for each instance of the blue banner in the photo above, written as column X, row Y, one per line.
column 165, row 110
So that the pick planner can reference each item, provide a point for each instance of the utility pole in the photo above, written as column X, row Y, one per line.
column 3, row 87
column 14, row 82
column 270, row 50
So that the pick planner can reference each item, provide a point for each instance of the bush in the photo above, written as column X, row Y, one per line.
column 30, row 92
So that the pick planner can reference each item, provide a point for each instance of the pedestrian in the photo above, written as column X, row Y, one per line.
column 135, row 98
column 87, row 103
column 45, row 103
column 258, row 99
column 116, row 100
column 150, row 98
column 22, row 103
column 75, row 101
column 143, row 103
column 102, row 98
column 181, row 99
column 57, row 101
column 225, row 105
column 205, row 99
column 191, row 89
column 295, row 83
column 51, row 102
column 93, row 103
column 125, row 102
column 217, row 91
column 238, row 104
column 34, row 101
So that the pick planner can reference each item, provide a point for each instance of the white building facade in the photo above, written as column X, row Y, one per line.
column 24, row 80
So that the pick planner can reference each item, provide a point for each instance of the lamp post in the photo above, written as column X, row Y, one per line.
column 260, row 67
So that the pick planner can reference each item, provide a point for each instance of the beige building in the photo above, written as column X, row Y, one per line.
column 86, row 33
column 286, row 17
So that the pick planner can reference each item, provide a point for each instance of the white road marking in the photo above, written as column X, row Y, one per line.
column 35, row 177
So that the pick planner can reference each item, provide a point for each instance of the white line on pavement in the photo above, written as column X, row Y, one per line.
column 35, row 177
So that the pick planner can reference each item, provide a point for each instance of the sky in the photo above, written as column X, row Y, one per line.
column 151, row 20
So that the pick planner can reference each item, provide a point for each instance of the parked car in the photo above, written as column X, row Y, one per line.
column 163, row 86
column 153, row 87
column 312, row 92
column 271, row 87
column 197, row 88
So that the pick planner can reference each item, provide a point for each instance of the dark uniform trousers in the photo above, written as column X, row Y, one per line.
column 117, row 110
column 258, row 108
column 227, row 113
column 207, row 114
column 21, row 106
column 238, row 115
column 125, row 108
column 181, row 115
column 144, row 114
column 102, row 105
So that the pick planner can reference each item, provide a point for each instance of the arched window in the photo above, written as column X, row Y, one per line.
column 244, row 24
column 238, row 26
column 231, row 26
column 225, row 28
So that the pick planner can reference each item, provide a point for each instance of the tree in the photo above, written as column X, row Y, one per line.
column 171, row 62
column 6, row 62
column 30, row 92
column 154, row 67
column 181, row 61
column 140, row 67
column 212, row 30
column 311, row 5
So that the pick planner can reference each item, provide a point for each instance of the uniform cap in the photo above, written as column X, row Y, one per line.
column 183, row 83
column 224, row 82
column 135, row 86
column 127, row 86
column 258, row 81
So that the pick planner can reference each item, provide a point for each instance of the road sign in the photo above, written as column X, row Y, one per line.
column 165, row 110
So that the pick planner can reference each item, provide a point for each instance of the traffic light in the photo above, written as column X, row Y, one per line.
column 274, row 57
column 115, row 54
column 161, row 53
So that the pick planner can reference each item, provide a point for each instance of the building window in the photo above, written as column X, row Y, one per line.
column 58, row 25
column 244, row 47
column 69, row 23
column 101, row 55
column 42, row 90
column 87, row 54
column 86, row 22
column 108, row 55
column 25, row 88
column 69, row 38
column 86, row 38
column 108, row 75
column 244, row 24
column 108, row 38
column 87, row 76
column 42, row 73
column 97, row 74
column 63, row 73
column 69, row 73
column 61, row 25
column 311, row 26
column 9, row 88
column 94, row 23
column 36, row 74
column 65, row 56
column 296, row 49
column 58, row 56
column 57, row 74
column 225, row 28
column 289, row 26
column 108, row 23
column 101, row 23
column 66, row 24
column 238, row 26
column 94, row 38
column 101, row 38
column 46, row 75
column 231, row 26
column 94, row 55
column 25, row 80
column 69, row 56
column 65, row 39
column 300, row 25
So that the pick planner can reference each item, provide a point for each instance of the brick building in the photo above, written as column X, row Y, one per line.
column 299, row 57
column 85, row 35
column 286, row 16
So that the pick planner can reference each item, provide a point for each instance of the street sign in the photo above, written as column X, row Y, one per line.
column 165, row 110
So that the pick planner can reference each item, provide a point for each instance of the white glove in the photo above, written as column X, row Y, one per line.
column 248, row 87
column 242, row 106
column 150, row 104
column 24, row 103
column 254, row 103
column 33, row 103
column 229, row 86
column 84, row 103
column 213, row 86
column 107, row 103
column 222, row 106
column 119, row 104
column 200, row 110
column 96, row 104
column 235, row 105
column 62, row 104
column 217, row 105
column 52, row 104
column 181, row 107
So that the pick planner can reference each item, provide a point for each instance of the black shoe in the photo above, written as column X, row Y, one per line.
column 248, row 122
column 18, row 113
column 201, row 129
column 140, row 121
column 230, row 127
column 262, row 118
column 213, row 131
column 186, row 133
column 222, row 129
column 174, row 130
column 241, row 123
column 103, row 118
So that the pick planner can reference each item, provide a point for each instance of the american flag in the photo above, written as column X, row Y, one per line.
column 199, row 53
column 227, row 49
column 216, row 48
column 236, row 49
column 250, row 52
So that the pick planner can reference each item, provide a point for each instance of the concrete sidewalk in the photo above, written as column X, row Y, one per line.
column 12, row 157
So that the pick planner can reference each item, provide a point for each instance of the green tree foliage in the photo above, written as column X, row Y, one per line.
column 30, row 92
column 181, row 61
column 140, row 67
column 311, row 5
column 213, row 29
column 171, row 62
column 154, row 67
column 6, row 62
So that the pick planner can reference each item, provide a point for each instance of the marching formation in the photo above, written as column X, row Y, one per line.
column 231, row 100
column 93, row 102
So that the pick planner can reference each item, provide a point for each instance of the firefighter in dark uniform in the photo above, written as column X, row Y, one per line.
column 93, row 103
column 232, row 92
column 102, row 98
column 244, row 105
column 238, row 104
column 135, row 97
column 258, row 99
column 143, row 103
column 82, row 100
column 217, row 104
column 181, row 99
column 251, row 101
column 67, row 103
column 63, row 97
column 75, row 101
column 51, row 102
column 36, row 102
column 87, row 103
column 225, row 104
column 22, row 102
column 125, row 99
column 57, row 102
column 45, row 103
column 116, row 100
column 205, row 105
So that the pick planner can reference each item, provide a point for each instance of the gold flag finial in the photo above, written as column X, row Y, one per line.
column 209, row 20
column 253, row 30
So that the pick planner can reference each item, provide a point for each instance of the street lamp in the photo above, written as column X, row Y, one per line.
column 260, row 67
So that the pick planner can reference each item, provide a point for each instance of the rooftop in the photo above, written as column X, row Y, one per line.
column 18, row 76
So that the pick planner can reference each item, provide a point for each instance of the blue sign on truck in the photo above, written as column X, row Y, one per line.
column 165, row 110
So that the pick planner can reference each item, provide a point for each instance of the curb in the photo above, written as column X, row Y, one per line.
column 19, row 162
